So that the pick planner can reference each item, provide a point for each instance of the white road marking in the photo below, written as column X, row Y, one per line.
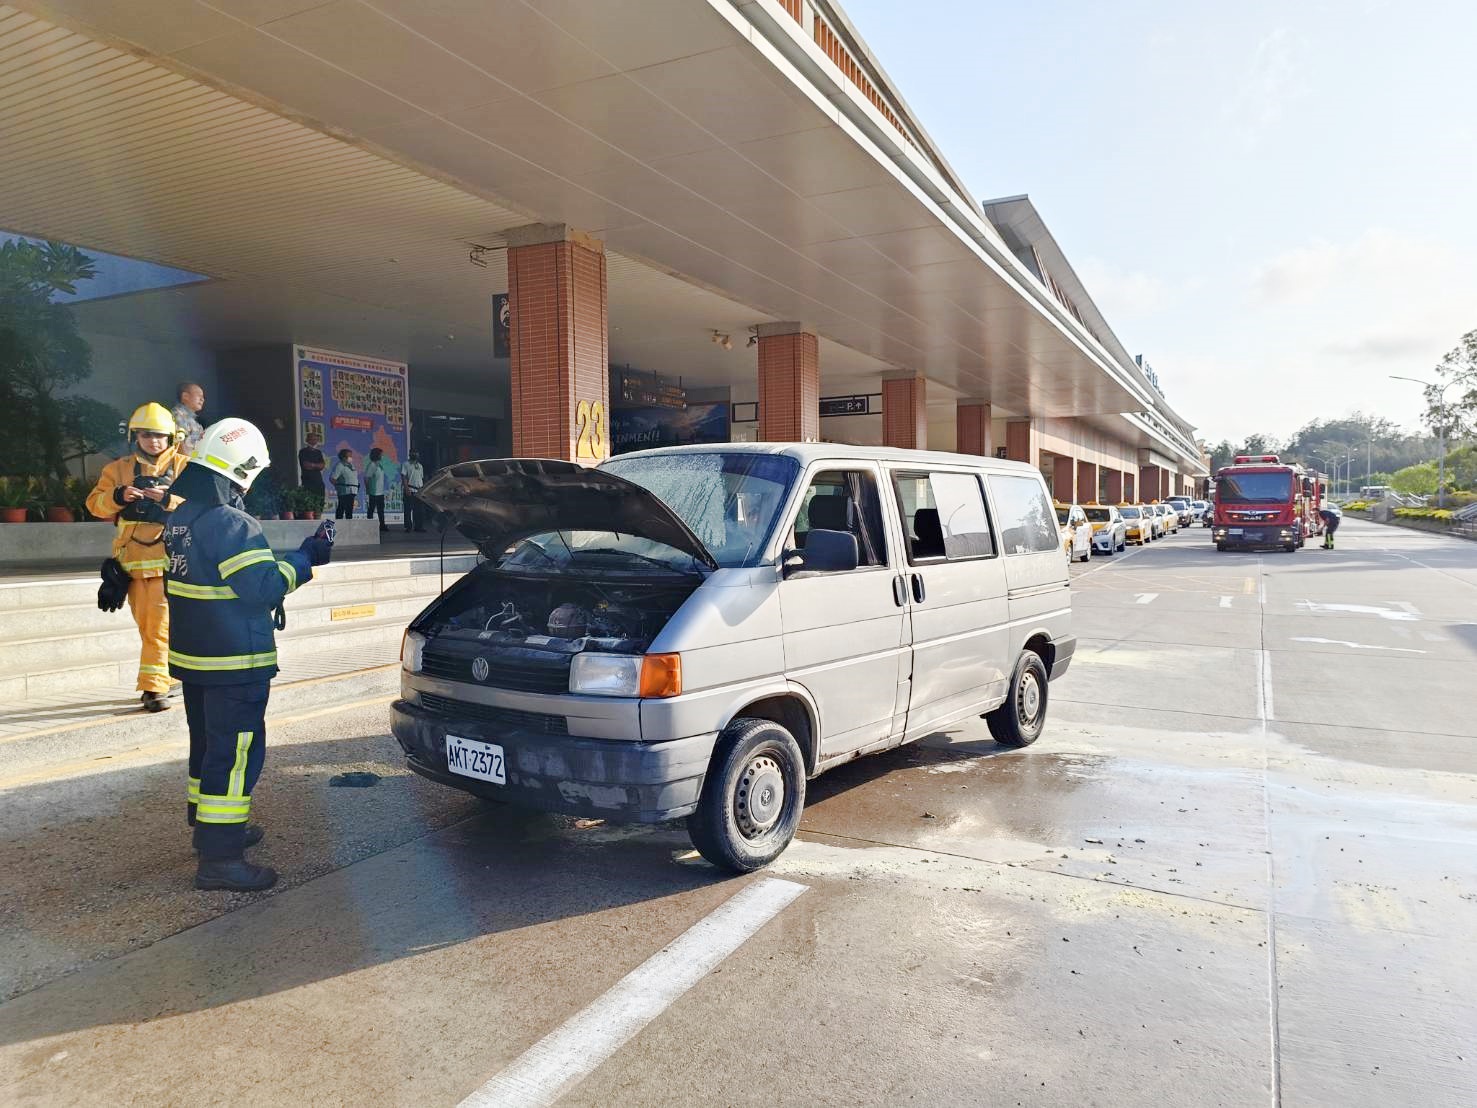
column 1266, row 686
column 1357, row 645
column 567, row 1055
column 1225, row 602
column 1147, row 598
column 1359, row 609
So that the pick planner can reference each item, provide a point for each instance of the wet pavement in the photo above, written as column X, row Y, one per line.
column 1240, row 867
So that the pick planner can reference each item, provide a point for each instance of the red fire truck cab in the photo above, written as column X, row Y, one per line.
column 1261, row 501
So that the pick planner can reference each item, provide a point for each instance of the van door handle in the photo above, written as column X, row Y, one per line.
column 899, row 592
column 919, row 592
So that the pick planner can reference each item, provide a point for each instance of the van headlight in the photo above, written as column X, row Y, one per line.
column 645, row 675
column 412, row 651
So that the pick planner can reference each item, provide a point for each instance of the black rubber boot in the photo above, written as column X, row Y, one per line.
column 236, row 874
column 252, row 835
column 156, row 702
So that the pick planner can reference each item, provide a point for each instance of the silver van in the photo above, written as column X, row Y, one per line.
column 697, row 631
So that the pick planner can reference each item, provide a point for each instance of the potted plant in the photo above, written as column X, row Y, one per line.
column 54, row 502
column 15, row 498
column 310, row 503
column 77, row 490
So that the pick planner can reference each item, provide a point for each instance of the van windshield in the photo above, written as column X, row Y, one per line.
column 729, row 501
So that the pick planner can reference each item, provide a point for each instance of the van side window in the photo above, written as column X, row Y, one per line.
column 944, row 516
column 844, row 500
column 1027, row 523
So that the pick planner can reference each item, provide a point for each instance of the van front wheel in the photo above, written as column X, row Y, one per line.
column 752, row 797
column 1022, row 718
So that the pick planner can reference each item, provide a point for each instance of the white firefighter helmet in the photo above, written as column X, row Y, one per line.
column 233, row 448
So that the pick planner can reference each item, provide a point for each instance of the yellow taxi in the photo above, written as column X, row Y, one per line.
column 1138, row 524
column 1076, row 531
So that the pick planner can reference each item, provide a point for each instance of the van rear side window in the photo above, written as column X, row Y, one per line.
column 1027, row 523
column 944, row 516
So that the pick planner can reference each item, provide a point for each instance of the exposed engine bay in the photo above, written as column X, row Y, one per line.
column 554, row 614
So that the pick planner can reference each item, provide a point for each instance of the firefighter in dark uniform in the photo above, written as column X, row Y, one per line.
column 225, row 590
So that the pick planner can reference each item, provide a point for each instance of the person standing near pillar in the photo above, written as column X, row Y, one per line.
column 345, row 484
column 226, row 589
column 135, row 490
column 412, row 479
column 187, row 416
column 374, row 485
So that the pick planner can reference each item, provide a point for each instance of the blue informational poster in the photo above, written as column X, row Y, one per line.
column 356, row 403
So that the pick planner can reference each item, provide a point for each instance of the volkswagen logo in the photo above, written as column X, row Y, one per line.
column 479, row 668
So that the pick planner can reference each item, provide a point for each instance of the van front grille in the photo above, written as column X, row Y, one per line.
column 520, row 674
column 487, row 713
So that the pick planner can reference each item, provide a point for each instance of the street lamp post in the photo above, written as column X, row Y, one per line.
column 1440, row 433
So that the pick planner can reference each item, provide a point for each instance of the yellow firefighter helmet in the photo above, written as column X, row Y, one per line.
column 152, row 417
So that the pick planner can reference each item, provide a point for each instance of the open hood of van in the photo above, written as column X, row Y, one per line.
column 496, row 502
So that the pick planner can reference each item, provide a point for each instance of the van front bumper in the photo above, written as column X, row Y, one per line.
column 628, row 782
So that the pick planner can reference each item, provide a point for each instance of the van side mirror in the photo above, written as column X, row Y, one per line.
column 825, row 552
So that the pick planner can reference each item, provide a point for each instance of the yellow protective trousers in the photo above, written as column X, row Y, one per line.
column 150, row 609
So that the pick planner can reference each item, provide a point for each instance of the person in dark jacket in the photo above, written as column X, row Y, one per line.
column 225, row 589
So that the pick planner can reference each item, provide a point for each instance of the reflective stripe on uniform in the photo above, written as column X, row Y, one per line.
column 154, row 671
column 222, row 809
column 236, row 780
column 151, row 563
column 200, row 592
column 246, row 558
column 223, row 662
column 289, row 571
column 192, row 790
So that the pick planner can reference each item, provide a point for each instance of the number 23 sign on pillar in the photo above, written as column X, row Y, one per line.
column 592, row 429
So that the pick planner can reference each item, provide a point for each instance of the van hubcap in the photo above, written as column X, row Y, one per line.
column 761, row 796
column 1030, row 698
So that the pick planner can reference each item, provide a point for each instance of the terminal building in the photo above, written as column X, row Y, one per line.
column 489, row 227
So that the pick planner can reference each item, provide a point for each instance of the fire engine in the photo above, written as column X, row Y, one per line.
column 1261, row 501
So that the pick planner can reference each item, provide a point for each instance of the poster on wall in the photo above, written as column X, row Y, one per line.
column 356, row 403
column 648, row 427
column 502, row 326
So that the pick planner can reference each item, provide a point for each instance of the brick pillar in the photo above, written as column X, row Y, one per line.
column 1151, row 485
column 1020, row 441
column 905, row 412
column 1086, row 481
column 1115, row 486
column 789, row 384
column 1063, row 478
column 972, row 428
column 560, row 365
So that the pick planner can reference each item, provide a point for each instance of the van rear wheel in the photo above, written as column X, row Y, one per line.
column 1022, row 718
column 752, row 797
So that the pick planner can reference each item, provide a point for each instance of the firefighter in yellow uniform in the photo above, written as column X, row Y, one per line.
column 134, row 491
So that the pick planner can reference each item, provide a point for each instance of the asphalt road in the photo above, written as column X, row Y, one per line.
column 1239, row 868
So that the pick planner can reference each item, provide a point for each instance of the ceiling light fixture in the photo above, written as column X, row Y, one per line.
column 723, row 340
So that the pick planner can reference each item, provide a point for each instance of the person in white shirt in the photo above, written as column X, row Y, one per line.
column 412, row 477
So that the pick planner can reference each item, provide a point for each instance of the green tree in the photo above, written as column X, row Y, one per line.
column 1416, row 480
column 90, row 427
column 1456, row 379
column 1461, row 468
column 41, row 350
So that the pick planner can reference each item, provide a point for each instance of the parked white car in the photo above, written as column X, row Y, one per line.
column 1109, row 531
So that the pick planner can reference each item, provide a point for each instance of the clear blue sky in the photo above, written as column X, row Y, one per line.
column 1276, row 203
